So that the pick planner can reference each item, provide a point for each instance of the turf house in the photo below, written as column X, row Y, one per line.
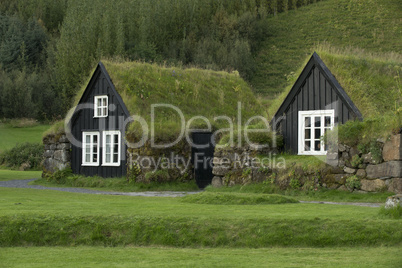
column 314, row 105
column 186, row 106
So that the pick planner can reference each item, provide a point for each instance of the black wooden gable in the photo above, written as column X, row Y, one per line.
column 83, row 120
column 315, row 89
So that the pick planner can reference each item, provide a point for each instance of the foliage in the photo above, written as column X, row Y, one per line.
column 353, row 183
column 27, row 153
column 356, row 161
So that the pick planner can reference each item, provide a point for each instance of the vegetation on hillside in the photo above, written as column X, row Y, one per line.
column 49, row 47
column 372, row 25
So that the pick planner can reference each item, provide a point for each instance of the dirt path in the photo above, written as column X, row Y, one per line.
column 25, row 184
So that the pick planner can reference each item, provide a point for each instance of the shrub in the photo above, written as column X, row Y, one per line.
column 27, row 153
column 353, row 182
column 60, row 176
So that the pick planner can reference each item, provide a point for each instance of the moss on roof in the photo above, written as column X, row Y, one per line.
column 372, row 81
column 195, row 92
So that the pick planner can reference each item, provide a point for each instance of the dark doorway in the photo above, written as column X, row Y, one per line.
column 202, row 154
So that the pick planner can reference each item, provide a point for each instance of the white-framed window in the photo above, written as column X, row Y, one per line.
column 90, row 148
column 312, row 126
column 101, row 106
column 111, row 148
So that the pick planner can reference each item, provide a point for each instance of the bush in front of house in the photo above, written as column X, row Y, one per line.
column 23, row 156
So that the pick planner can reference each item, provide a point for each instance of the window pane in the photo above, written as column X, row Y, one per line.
column 87, row 158
column 87, row 138
column 307, row 133
column 104, row 102
column 99, row 102
column 115, row 158
column 108, row 139
column 327, row 121
column 104, row 112
column 307, row 122
column 95, row 158
column 307, row 145
column 87, row 149
column 317, row 121
column 116, row 138
column 317, row 133
column 317, row 145
column 107, row 158
column 95, row 138
column 99, row 112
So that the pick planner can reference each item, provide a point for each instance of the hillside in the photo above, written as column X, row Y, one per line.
column 374, row 26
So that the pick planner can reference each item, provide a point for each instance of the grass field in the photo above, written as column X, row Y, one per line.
column 6, row 175
column 200, row 257
column 10, row 136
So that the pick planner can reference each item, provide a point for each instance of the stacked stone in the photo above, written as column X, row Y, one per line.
column 384, row 173
column 57, row 153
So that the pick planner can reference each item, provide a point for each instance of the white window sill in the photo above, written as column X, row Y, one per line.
column 90, row 165
column 111, row 165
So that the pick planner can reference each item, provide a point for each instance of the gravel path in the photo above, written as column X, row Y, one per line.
column 24, row 184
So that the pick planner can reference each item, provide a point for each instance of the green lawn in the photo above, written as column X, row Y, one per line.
column 10, row 136
column 6, row 175
column 47, row 202
column 200, row 257
column 50, row 218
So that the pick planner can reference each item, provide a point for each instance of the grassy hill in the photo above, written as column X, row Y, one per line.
column 371, row 25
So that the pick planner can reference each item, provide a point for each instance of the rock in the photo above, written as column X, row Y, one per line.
column 62, row 156
column 335, row 170
column 333, row 163
column 393, row 148
column 51, row 165
column 343, row 188
column 216, row 182
column 341, row 163
column 372, row 185
column 52, row 146
column 220, row 171
column 349, row 170
column 387, row 169
column 332, row 156
column 345, row 155
column 353, row 151
column 48, row 153
column 361, row 173
column 340, row 178
column 367, row 158
column 25, row 166
column 393, row 201
column 63, row 146
column 395, row 185
column 341, row 147
column 63, row 139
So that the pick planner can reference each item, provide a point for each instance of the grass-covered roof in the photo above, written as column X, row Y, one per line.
column 372, row 81
column 195, row 92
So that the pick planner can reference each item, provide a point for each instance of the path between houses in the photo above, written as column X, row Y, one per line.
column 25, row 184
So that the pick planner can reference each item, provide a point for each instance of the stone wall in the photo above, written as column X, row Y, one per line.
column 379, row 169
column 57, row 154
column 241, row 165
column 147, row 164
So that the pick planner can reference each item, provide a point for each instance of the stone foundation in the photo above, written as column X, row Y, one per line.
column 57, row 154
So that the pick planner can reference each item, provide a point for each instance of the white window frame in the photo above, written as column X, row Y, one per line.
column 91, row 145
column 301, row 130
column 103, row 108
column 111, row 132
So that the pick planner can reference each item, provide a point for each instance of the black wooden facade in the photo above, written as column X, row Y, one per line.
column 83, row 120
column 315, row 89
